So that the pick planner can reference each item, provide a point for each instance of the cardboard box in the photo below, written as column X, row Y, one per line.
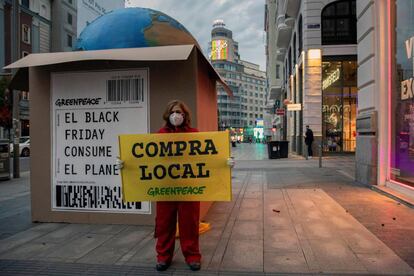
column 60, row 114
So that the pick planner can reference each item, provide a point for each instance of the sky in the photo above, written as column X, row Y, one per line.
column 244, row 17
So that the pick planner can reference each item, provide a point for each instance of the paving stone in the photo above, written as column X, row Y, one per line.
column 335, row 256
column 244, row 255
column 281, row 240
column 247, row 230
column 388, row 263
column 285, row 262
column 78, row 247
column 114, row 248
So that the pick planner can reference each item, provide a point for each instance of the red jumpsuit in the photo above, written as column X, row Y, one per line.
column 188, row 222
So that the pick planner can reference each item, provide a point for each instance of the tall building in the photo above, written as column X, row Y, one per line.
column 314, row 51
column 34, row 32
column 243, row 112
column 70, row 17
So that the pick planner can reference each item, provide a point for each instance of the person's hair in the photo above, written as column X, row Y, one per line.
column 307, row 126
column 184, row 108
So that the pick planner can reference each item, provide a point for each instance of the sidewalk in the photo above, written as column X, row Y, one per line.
column 286, row 216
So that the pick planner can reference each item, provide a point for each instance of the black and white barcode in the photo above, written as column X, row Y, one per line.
column 92, row 197
column 125, row 90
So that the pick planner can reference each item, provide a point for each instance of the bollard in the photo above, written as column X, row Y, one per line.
column 320, row 155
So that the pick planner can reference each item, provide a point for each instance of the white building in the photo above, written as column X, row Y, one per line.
column 89, row 10
column 312, row 48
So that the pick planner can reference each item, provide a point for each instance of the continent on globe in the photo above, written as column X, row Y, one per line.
column 133, row 28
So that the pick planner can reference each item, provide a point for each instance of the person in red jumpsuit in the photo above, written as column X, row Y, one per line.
column 177, row 119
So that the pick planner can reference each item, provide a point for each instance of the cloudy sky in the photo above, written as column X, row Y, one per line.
column 244, row 17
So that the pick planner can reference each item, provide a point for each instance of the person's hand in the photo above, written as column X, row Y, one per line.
column 119, row 164
column 231, row 162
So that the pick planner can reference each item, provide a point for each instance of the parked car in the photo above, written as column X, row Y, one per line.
column 24, row 146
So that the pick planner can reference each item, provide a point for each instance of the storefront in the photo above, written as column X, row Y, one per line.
column 339, row 103
column 401, row 146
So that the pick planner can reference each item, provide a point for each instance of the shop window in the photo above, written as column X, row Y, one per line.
column 339, row 23
column 339, row 105
column 402, row 95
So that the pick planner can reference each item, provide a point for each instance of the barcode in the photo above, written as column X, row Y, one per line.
column 126, row 90
column 92, row 197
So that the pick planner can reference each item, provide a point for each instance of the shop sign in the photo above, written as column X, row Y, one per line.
column 313, row 26
column 407, row 88
column 333, row 77
column 176, row 167
column 89, row 111
column 280, row 111
column 294, row 107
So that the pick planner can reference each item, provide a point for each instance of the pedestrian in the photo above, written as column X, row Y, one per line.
column 309, row 141
column 177, row 119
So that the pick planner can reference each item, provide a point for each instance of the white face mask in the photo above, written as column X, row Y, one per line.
column 176, row 119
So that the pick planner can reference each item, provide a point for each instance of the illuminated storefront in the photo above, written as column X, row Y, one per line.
column 402, row 93
column 339, row 104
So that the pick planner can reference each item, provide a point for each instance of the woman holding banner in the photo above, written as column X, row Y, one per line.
column 177, row 119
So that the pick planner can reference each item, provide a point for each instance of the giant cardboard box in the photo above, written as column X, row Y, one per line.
column 81, row 101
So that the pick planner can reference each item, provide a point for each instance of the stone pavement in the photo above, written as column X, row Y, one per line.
column 287, row 216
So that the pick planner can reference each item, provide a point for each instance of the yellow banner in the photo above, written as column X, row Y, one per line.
column 176, row 166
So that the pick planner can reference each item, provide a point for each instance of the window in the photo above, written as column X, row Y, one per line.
column 69, row 40
column 70, row 2
column 294, row 49
column 69, row 19
column 25, row 33
column 277, row 71
column 300, row 35
column 339, row 23
column 26, row 3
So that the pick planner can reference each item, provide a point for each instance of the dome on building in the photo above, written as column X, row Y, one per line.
column 133, row 28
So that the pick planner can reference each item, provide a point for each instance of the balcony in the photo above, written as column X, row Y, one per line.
column 291, row 7
column 275, row 92
column 283, row 32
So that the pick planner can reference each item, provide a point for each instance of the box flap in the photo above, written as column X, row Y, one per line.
column 160, row 53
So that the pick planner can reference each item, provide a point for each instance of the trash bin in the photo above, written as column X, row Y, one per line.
column 4, row 160
column 283, row 149
column 273, row 149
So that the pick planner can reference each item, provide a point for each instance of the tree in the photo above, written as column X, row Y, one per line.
column 5, row 104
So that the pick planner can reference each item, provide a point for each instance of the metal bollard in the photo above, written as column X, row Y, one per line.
column 320, row 155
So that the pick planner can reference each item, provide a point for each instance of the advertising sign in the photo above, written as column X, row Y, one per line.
column 89, row 111
column 176, row 167
column 294, row 107
column 219, row 49
column 280, row 111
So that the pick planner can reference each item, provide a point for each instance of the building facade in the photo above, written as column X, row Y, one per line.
column 312, row 62
column 385, row 123
column 34, row 32
column 89, row 10
column 243, row 112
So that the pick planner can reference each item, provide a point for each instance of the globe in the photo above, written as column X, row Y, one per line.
column 133, row 28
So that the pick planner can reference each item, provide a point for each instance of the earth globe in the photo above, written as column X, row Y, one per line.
column 133, row 28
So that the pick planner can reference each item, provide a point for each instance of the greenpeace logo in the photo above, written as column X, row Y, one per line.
column 78, row 102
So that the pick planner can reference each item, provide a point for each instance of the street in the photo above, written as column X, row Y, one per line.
column 286, row 216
